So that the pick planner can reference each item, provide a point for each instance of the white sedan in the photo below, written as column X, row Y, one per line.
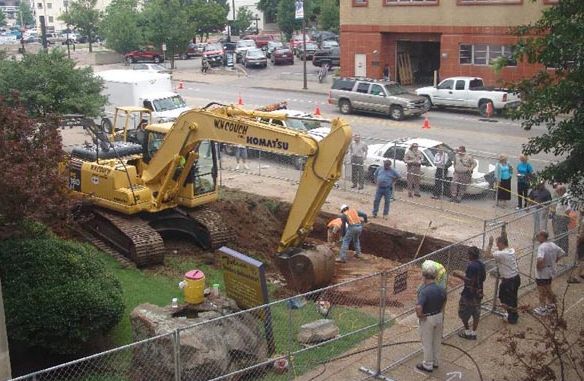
column 395, row 151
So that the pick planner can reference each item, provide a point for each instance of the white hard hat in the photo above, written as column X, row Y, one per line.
column 344, row 206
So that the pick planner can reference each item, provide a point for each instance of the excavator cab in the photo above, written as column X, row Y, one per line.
column 127, row 124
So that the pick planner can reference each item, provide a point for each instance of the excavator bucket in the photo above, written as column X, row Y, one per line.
column 307, row 268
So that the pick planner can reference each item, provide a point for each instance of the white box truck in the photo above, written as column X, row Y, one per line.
column 137, row 88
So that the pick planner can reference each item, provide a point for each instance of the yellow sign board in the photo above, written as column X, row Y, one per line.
column 245, row 279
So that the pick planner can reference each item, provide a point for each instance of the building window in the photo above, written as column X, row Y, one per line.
column 488, row 2
column 49, row 6
column 483, row 54
column 40, row 5
column 410, row 2
column 360, row 3
column 50, row 19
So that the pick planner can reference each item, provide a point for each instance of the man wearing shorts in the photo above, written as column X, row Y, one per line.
column 472, row 293
column 548, row 254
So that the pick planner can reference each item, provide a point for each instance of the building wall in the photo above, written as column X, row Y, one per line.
column 375, row 31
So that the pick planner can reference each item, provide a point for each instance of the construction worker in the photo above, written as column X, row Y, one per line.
column 334, row 231
column 351, row 228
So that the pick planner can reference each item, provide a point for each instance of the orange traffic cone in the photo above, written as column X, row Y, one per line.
column 240, row 100
column 426, row 124
column 317, row 111
column 181, row 85
column 489, row 109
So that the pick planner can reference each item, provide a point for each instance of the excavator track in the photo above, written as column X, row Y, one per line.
column 131, row 236
column 219, row 232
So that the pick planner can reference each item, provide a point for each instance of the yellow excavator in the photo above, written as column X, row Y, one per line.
column 159, row 179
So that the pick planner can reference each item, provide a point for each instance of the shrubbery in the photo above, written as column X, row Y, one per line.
column 57, row 294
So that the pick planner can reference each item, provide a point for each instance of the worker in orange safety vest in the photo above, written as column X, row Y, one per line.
column 333, row 234
column 351, row 228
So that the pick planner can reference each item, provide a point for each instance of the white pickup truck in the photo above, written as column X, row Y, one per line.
column 468, row 92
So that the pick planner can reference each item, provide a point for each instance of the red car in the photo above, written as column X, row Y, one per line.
column 261, row 40
column 282, row 55
column 144, row 55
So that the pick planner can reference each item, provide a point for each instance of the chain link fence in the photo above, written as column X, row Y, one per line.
column 372, row 316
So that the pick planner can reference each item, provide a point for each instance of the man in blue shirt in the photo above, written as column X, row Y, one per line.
column 384, row 178
column 472, row 293
column 429, row 309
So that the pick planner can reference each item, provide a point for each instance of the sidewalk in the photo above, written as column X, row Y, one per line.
column 487, row 351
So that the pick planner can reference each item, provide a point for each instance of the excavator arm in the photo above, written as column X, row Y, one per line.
column 231, row 125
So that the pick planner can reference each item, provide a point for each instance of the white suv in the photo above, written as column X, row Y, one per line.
column 395, row 151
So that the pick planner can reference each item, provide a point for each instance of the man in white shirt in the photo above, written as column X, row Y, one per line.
column 508, row 274
column 548, row 254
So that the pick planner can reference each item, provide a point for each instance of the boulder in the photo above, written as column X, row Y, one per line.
column 207, row 350
column 317, row 331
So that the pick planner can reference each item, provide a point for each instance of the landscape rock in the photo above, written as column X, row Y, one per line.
column 207, row 350
column 317, row 331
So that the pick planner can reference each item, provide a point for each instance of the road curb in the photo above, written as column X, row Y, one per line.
column 290, row 90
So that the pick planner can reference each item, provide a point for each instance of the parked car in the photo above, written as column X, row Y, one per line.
column 144, row 55
column 192, row 50
column 262, row 40
column 54, row 38
column 68, row 38
column 395, row 151
column 85, row 39
column 311, row 48
column 330, row 56
column 320, row 37
column 297, row 40
column 151, row 68
column 469, row 92
column 375, row 96
column 329, row 44
column 272, row 45
column 255, row 57
column 282, row 55
column 213, row 54
column 242, row 46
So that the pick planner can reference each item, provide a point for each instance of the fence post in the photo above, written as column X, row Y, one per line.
column 533, row 249
column 290, row 372
column 177, row 364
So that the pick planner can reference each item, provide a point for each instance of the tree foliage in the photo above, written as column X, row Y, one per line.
column 57, row 294
column 555, row 98
column 243, row 20
column 328, row 19
column 27, row 16
column 49, row 83
column 269, row 8
column 2, row 18
column 119, row 26
column 30, row 153
column 208, row 17
column 84, row 17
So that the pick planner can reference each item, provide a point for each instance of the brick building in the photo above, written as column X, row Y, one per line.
column 452, row 37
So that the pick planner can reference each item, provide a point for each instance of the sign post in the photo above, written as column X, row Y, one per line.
column 300, row 15
column 245, row 282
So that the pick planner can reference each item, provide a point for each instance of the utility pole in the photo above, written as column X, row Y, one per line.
column 66, row 3
column 299, row 5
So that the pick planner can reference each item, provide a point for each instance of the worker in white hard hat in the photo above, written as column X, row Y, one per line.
column 440, row 279
column 352, row 226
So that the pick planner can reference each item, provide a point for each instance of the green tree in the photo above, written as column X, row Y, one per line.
column 243, row 20
column 64, row 89
column 286, row 16
column 555, row 99
column 25, row 14
column 158, row 15
column 2, row 18
column 208, row 17
column 269, row 8
column 58, row 295
column 328, row 19
column 119, row 26
column 84, row 17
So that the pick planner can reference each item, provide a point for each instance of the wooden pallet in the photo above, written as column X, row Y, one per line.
column 404, row 66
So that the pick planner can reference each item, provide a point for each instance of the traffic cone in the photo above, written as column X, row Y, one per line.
column 181, row 85
column 240, row 100
column 489, row 109
column 317, row 111
column 426, row 124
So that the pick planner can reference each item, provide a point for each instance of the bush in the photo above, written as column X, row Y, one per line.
column 57, row 294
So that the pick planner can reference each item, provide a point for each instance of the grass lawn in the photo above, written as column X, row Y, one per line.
column 159, row 287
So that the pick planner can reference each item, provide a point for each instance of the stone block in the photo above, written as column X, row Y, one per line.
column 317, row 331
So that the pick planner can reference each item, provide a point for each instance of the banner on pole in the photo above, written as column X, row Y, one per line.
column 299, row 9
